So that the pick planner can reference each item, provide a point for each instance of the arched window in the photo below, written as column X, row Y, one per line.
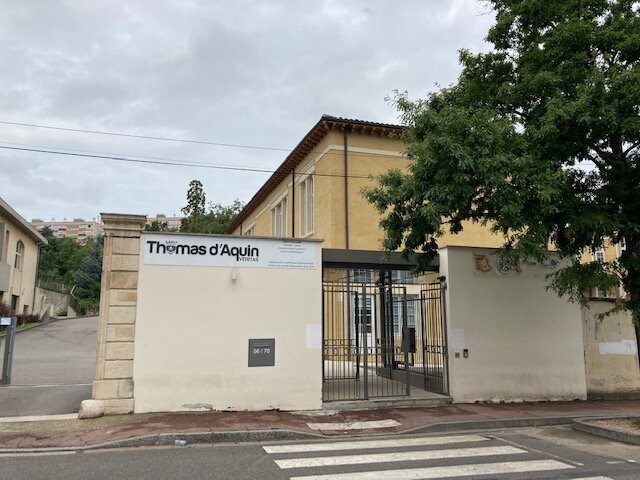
column 19, row 253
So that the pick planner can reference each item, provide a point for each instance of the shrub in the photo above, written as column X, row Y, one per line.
column 25, row 319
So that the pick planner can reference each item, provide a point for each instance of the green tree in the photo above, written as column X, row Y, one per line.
column 59, row 258
column 88, row 274
column 157, row 226
column 196, row 199
column 215, row 219
column 538, row 139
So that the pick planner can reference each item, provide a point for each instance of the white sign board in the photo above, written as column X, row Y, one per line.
column 4, row 321
column 623, row 347
column 204, row 251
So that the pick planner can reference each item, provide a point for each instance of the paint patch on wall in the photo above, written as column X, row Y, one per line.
column 457, row 338
column 623, row 347
column 314, row 336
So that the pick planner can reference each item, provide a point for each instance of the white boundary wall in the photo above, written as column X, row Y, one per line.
column 196, row 314
column 523, row 342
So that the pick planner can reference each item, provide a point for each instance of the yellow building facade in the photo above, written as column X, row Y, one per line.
column 374, row 314
column 19, row 251
column 317, row 191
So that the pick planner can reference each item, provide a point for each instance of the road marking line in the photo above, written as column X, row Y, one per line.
column 396, row 457
column 10, row 387
column 592, row 478
column 366, row 444
column 39, row 418
column 449, row 471
column 35, row 454
column 354, row 425
column 541, row 452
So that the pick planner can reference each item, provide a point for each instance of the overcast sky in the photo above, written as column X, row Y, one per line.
column 255, row 73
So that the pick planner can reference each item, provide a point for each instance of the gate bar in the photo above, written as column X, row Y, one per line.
column 364, row 340
column 445, row 342
column 405, row 329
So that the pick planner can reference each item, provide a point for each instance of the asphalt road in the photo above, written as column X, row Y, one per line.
column 556, row 453
column 53, row 368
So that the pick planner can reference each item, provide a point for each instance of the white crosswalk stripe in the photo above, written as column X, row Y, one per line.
column 592, row 478
column 453, row 471
column 424, row 449
column 396, row 457
column 362, row 445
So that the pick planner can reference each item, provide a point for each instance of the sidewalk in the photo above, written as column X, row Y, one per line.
column 164, row 428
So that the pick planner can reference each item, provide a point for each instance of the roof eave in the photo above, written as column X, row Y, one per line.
column 25, row 226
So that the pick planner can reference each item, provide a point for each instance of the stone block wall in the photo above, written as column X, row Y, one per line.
column 113, row 383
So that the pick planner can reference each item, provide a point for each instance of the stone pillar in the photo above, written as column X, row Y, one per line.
column 113, row 383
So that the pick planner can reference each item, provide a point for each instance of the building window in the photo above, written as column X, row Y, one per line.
column 361, row 275
column 279, row 219
column 598, row 254
column 306, row 210
column 19, row 254
column 622, row 245
column 599, row 293
column 363, row 313
column 403, row 277
column 250, row 232
column 398, row 306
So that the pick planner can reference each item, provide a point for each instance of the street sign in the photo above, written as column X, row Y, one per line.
column 9, row 339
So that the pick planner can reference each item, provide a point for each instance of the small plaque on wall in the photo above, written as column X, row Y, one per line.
column 262, row 352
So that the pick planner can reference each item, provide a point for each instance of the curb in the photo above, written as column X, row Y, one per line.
column 491, row 424
column 167, row 439
column 586, row 426
column 31, row 326
column 62, row 319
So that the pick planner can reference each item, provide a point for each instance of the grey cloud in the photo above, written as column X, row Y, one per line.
column 246, row 72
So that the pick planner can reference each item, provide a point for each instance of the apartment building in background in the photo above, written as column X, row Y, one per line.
column 79, row 229
column 20, row 245
column 173, row 223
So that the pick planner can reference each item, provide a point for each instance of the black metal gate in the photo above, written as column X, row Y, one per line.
column 380, row 339
column 433, row 341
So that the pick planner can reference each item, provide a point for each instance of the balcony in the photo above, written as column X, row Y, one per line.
column 5, row 276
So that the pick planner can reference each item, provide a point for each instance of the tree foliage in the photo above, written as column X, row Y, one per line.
column 88, row 275
column 158, row 226
column 215, row 219
column 196, row 199
column 538, row 139
column 65, row 262
column 59, row 259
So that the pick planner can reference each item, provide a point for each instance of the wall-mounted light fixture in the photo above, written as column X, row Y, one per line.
column 234, row 274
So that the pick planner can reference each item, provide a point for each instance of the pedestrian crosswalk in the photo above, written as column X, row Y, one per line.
column 415, row 458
